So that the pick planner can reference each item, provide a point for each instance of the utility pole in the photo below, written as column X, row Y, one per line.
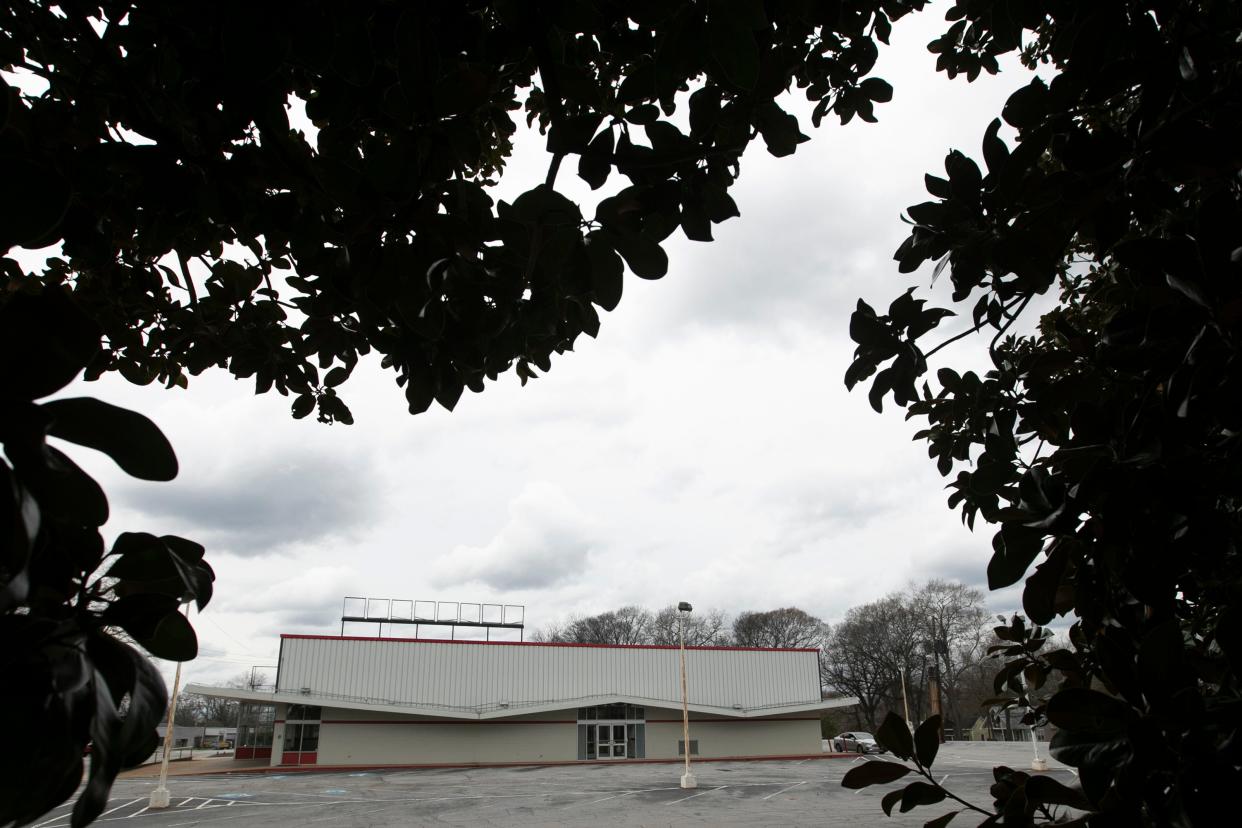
column 933, row 679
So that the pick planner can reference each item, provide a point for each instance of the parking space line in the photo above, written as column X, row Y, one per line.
column 700, row 793
column 605, row 799
column 119, row 807
column 782, row 790
column 136, row 813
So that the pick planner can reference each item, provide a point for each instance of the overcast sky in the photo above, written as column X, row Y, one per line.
column 702, row 449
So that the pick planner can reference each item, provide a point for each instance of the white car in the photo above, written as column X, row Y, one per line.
column 855, row 741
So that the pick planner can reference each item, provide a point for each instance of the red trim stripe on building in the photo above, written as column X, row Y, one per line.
column 547, row 644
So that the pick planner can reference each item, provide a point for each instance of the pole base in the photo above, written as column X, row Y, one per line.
column 1039, row 765
column 160, row 797
column 688, row 781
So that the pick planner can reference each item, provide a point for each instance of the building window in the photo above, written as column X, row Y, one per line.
column 301, row 734
column 694, row 747
column 254, row 730
column 301, row 737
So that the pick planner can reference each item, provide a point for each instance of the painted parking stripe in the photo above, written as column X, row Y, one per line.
column 700, row 793
column 782, row 790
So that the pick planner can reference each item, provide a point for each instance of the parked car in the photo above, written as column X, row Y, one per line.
column 856, row 741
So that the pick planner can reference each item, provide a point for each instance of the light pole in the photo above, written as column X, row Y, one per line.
column 1038, row 763
column 687, row 778
column 160, row 797
column 905, row 702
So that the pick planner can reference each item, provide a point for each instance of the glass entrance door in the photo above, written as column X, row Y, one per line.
column 610, row 741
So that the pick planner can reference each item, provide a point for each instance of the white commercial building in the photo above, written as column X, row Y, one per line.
column 389, row 701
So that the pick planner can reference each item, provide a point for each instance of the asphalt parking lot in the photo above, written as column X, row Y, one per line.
column 778, row 793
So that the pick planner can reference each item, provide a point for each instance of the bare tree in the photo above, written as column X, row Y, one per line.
column 954, row 627
column 703, row 629
column 787, row 627
column 627, row 625
column 195, row 709
column 866, row 654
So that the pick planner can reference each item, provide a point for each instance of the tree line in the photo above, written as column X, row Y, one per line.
column 936, row 635
column 197, row 710
column 784, row 627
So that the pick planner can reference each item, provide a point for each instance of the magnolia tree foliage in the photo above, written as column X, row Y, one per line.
column 201, row 229
column 1104, row 443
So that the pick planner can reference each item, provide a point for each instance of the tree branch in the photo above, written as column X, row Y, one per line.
column 189, row 283
column 975, row 329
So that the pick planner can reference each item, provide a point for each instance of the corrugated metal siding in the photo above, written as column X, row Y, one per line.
column 472, row 676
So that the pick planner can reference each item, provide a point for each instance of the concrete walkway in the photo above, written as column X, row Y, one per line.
column 189, row 767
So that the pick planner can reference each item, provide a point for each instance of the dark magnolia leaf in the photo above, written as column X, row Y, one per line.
column 1045, row 790
column 881, row 385
column 877, row 89
column 779, row 130
column 336, row 376
column 873, row 773
column 607, row 273
column 130, row 673
column 19, row 524
column 1087, row 749
column 419, row 391
column 1188, row 289
column 920, row 793
column 595, row 164
column 139, row 614
column 64, row 490
column 732, row 45
column 927, row 741
column 142, row 557
column 694, row 222
column 133, row 441
column 55, row 338
column 194, row 570
column 303, row 404
column 995, row 153
column 894, row 735
column 1039, row 594
column 890, row 800
column 645, row 257
column 35, row 201
column 1027, row 107
column 941, row 821
column 1186, row 65
column 106, row 755
column 1229, row 637
column 573, row 134
column 173, row 639
column 1081, row 709
column 1014, row 548
column 1161, row 664
column 939, row 187
column 449, row 387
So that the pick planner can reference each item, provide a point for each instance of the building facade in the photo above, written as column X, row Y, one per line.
column 342, row 701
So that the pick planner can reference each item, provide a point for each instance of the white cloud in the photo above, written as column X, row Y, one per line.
column 546, row 541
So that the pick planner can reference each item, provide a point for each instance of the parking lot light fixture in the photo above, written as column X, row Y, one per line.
column 160, row 797
column 687, row 778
